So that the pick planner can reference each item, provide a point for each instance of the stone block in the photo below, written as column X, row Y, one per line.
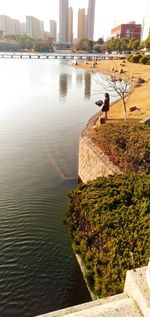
column 136, row 287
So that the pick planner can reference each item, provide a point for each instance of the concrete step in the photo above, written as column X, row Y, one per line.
column 114, row 306
column 134, row 302
column 136, row 287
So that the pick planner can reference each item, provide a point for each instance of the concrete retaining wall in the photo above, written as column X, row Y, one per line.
column 93, row 162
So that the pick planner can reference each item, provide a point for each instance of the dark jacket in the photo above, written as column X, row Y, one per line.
column 106, row 104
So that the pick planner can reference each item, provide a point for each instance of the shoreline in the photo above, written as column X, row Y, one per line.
column 139, row 98
column 83, row 269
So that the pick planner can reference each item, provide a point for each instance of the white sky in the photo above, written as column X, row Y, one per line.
column 108, row 12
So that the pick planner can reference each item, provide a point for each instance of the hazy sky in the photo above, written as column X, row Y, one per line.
column 108, row 12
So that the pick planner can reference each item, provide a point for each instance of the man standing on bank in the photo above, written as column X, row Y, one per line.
column 106, row 104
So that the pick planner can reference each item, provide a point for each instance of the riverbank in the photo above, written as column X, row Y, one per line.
column 140, row 97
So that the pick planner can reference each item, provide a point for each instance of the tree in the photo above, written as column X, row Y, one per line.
column 42, row 46
column 134, row 44
column 26, row 42
column 147, row 42
column 97, row 48
column 9, row 46
column 114, row 44
column 90, row 45
column 82, row 44
column 104, row 47
column 118, row 87
column 124, row 44
column 100, row 41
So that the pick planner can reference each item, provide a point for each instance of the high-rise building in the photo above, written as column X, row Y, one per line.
column 11, row 26
column 34, row 28
column 1, row 35
column 23, row 27
column 86, row 26
column 81, row 24
column 16, row 27
column 90, row 20
column 6, row 25
column 41, row 30
column 63, row 21
column 53, row 30
column 70, row 25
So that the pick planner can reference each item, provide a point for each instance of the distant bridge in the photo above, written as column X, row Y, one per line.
column 73, row 56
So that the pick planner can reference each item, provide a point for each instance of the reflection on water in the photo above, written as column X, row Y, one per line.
column 79, row 80
column 39, row 139
column 87, row 89
column 63, row 85
column 66, row 79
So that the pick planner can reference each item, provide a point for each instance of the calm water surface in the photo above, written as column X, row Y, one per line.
column 44, row 104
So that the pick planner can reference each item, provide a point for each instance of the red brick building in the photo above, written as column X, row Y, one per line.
column 128, row 31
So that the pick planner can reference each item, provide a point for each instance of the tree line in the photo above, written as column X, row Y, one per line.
column 113, row 44
column 23, row 42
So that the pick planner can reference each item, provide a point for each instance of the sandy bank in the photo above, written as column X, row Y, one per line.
column 140, row 96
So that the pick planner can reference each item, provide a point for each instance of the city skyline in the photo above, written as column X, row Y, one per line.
column 107, row 14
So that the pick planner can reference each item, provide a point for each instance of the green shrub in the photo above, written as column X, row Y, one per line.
column 109, row 220
column 126, row 144
column 129, row 57
column 144, row 59
column 148, row 62
column 135, row 58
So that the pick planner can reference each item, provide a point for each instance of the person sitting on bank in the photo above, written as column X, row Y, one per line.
column 106, row 104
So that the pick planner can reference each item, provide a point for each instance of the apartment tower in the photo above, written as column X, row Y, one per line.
column 23, row 28
column 16, row 27
column 70, row 25
column 53, row 30
column 81, row 24
column 5, row 25
column 63, row 21
column 34, row 28
column 90, row 20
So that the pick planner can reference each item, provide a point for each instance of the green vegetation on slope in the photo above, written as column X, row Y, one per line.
column 109, row 220
column 126, row 144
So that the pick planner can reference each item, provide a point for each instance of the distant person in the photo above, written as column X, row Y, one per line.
column 106, row 104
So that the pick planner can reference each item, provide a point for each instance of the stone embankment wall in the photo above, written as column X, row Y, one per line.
column 93, row 162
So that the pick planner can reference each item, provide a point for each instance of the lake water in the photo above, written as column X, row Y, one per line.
column 44, row 104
